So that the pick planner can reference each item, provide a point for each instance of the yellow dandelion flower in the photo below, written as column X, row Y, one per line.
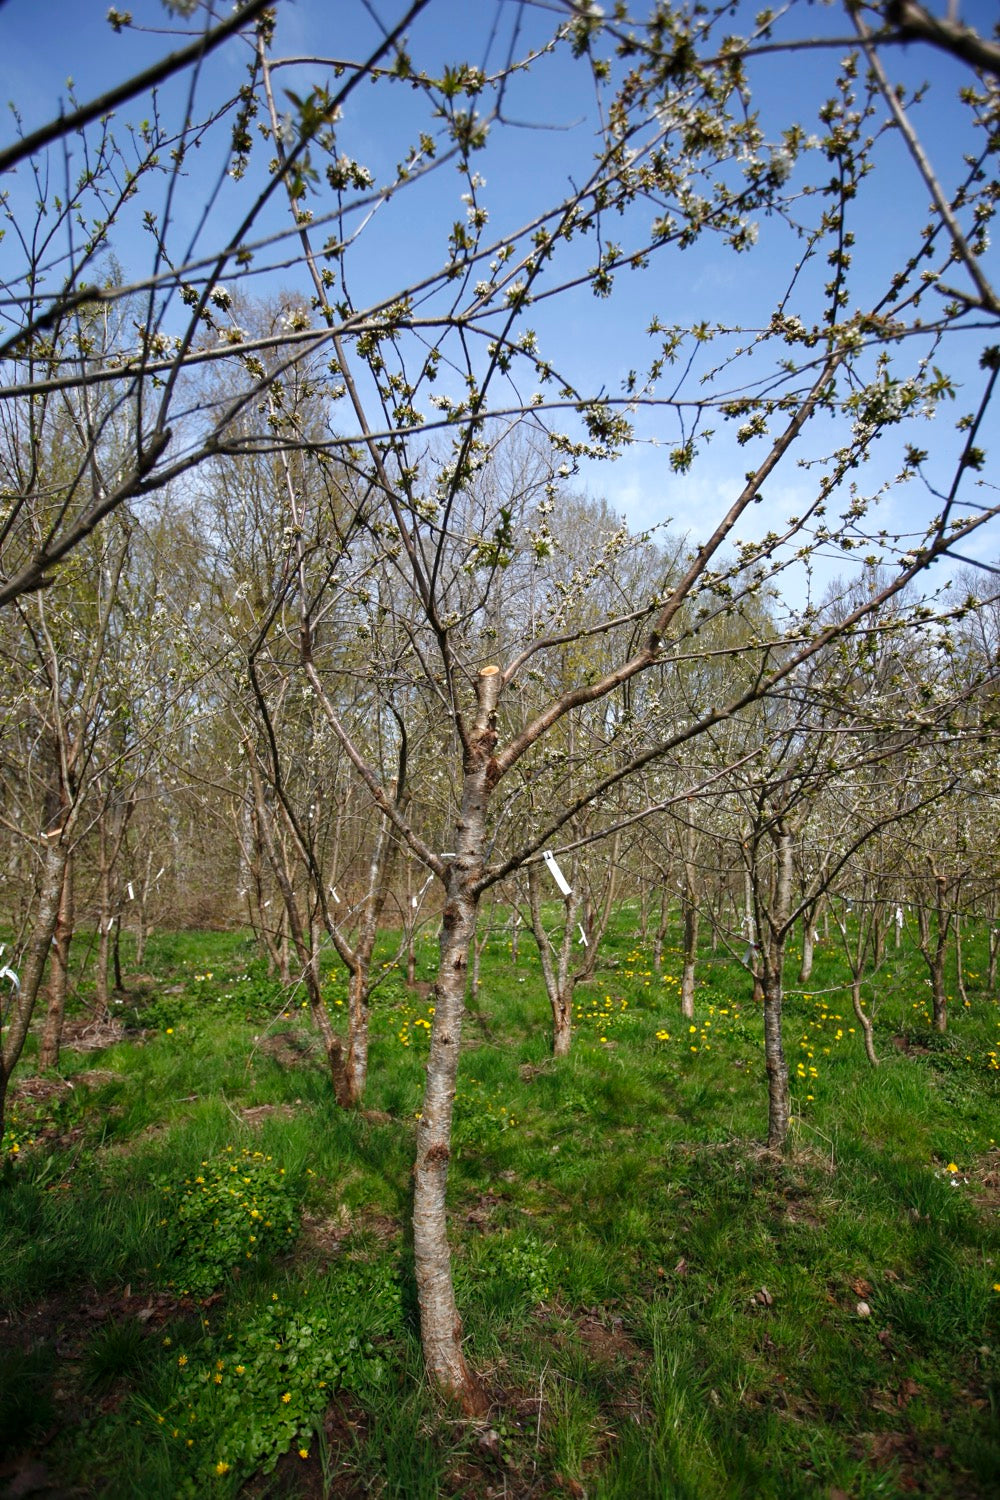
column 286, row 1398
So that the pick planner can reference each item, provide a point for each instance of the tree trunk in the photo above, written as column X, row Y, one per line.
column 772, row 942
column 596, row 923
column 116, row 953
column 48, row 1052
column 305, row 944
column 775, row 1060
column 141, row 935
column 690, row 958
column 102, row 993
column 440, row 1325
column 878, row 935
column 412, row 905
column 934, row 951
column 36, row 955
column 284, row 953
column 959, row 974
column 991, row 969
column 752, row 958
column 810, row 932
column 938, row 992
column 808, row 949
column 689, row 909
column 662, row 924
column 353, row 1060
column 864, row 1020
column 559, row 983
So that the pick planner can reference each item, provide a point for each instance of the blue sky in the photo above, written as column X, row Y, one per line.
column 547, row 144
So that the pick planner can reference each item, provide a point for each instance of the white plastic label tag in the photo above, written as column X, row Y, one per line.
column 556, row 873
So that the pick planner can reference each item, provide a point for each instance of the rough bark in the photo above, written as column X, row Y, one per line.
column 440, row 1325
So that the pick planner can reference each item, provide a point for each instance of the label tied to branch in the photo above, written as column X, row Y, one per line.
column 556, row 873
column 333, row 893
column 583, row 935
column 8, row 973
column 131, row 891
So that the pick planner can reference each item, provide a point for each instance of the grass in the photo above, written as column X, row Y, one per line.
column 657, row 1306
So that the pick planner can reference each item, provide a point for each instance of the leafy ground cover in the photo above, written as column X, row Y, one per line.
column 205, row 1265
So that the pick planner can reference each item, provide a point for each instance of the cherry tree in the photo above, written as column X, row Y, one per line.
column 822, row 382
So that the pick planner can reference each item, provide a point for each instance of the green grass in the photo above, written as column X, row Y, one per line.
column 656, row 1305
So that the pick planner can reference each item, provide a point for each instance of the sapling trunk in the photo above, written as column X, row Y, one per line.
column 864, row 1021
